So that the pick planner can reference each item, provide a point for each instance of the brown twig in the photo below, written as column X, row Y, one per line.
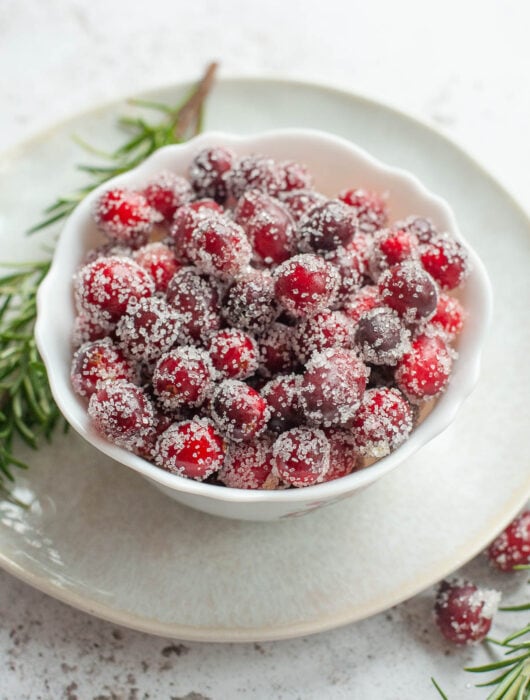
column 189, row 113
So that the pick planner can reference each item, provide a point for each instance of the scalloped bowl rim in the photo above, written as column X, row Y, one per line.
column 466, row 368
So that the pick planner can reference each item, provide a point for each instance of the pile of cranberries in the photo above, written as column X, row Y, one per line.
column 241, row 327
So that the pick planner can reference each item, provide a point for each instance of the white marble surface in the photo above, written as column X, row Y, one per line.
column 460, row 65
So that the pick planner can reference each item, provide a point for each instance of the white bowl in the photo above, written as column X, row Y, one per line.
column 335, row 164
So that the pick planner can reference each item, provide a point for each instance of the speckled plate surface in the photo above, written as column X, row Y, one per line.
column 97, row 537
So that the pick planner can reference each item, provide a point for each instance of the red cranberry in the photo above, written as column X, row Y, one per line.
column 183, row 377
column 270, row 228
column 305, row 284
column 256, row 172
column 390, row 247
column 166, row 193
column 446, row 260
column 276, row 350
column 96, row 362
column 420, row 227
column 104, row 288
column 301, row 456
column 370, row 208
column 382, row 423
column 159, row 261
column 449, row 316
column 107, row 250
column 344, row 456
column 351, row 269
column 147, row 329
column 424, row 371
column 327, row 226
column 192, row 448
column 464, row 612
column 248, row 465
column 186, row 220
column 209, row 172
column 197, row 301
column 296, row 176
column 361, row 246
column 249, row 302
column 85, row 330
column 122, row 413
column 300, row 202
column 234, row 353
column 366, row 298
column 332, row 387
column 240, row 413
column 326, row 329
column 381, row 337
column 410, row 290
column 219, row 247
column 125, row 216
column 282, row 396
column 512, row 547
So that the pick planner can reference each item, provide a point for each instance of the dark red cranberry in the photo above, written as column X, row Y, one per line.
column 381, row 337
column 104, row 288
column 125, row 216
column 249, row 302
column 370, row 208
column 255, row 172
column 192, row 448
column 147, row 329
column 301, row 456
column 446, row 260
column 282, row 395
column 296, row 176
column 332, row 387
column 327, row 226
column 351, row 269
column 326, row 329
column 305, row 284
column 248, row 465
column 464, row 612
column 209, row 172
column 424, row 371
column 420, row 227
column 166, row 193
column 344, row 457
column 234, row 353
column 239, row 412
column 96, row 362
column 160, row 261
column 382, row 423
column 219, row 247
column 365, row 299
column 86, row 331
column 186, row 220
column 410, row 290
column 183, row 377
column 196, row 299
column 449, row 316
column 512, row 547
column 300, row 202
column 276, row 350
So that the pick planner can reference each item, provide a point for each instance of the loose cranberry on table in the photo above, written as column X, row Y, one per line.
column 382, row 423
column 183, row 377
column 96, row 362
column 369, row 207
column 125, row 216
column 512, row 547
column 305, row 284
column 327, row 226
column 424, row 371
column 239, row 411
column 209, row 172
column 464, row 612
column 301, row 456
column 166, row 193
column 234, row 353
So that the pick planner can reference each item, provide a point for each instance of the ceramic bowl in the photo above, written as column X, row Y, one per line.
column 335, row 164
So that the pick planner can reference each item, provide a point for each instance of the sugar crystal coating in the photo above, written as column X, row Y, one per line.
column 219, row 247
column 209, row 172
column 234, row 353
column 160, row 261
column 183, row 377
column 166, row 192
column 125, row 216
column 248, row 465
column 192, row 448
column 463, row 612
column 305, row 284
column 147, row 329
column 239, row 411
column 410, row 290
column 96, row 362
column 381, row 337
column 382, row 423
column 512, row 547
column 301, row 456
column 249, row 303
column 327, row 226
column 369, row 207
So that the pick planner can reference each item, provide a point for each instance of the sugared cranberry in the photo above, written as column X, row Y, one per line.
column 96, row 362
column 183, row 377
column 365, row 299
column 104, row 288
column 282, row 395
column 86, row 330
column 344, row 457
column 420, row 227
column 391, row 246
column 276, row 350
column 185, row 222
column 249, row 302
column 410, row 290
column 382, row 423
column 327, row 226
column 166, row 193
column 122, row 413
column 192, row 448
column 351, row 269
column 370, row 208
column 219, row 247
column 269, row 227
column 464, row 612
column 125, row 216
column 248, row 465
column 326, row 329
column 381, row 337
column 446, row 260
column 160, row 261
column 147, row 329
column 255, row 172
column 295, row 175
column 332, row 387
column 234, row 353
column 239, row 412
column 107, row 250
column 305, row 284
column 300, row 202
column 424, row 371
column 197, row 302
column 512, row 547
column 449, row 316
column 209, row 172
column 301, row 456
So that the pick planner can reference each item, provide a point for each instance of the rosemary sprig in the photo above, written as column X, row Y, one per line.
column 27, row 408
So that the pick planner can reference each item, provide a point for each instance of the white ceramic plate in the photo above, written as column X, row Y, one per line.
column 98, row 538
